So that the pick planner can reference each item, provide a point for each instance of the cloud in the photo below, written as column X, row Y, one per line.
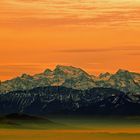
column 117, row 49
column 19, row 67
column 82, row 50
column 69, row 13
column 135, row 54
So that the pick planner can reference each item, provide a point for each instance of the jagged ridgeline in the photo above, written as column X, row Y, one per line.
column 75, row 78
column 70, row 90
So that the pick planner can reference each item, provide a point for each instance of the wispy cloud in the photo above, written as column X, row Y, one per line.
column 82, row 50
column 134, row 54
column 65, row 12
column 117, row 49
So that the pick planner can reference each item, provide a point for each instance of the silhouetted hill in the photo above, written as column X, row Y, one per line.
column 18, row 116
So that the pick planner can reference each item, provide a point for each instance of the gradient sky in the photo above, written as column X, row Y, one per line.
column 96, row 35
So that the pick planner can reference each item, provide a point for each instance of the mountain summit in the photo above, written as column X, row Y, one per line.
column 75, row 78
column 67, row 76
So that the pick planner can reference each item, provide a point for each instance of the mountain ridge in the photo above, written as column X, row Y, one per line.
column 61, row 100
column 76, row 78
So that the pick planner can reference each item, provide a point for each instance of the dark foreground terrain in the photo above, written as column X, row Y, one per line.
column 24, row 127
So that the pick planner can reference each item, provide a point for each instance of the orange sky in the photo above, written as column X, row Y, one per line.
column 96, row 35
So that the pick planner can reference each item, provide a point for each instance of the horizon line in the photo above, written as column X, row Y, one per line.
column 52, row 69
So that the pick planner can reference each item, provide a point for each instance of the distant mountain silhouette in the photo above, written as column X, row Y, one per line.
column 75, row 78
column 18, row 119
column 19, row 116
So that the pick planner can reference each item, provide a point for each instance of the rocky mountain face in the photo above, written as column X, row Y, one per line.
column 122, row 80
column 75, row 78
column 62, row 100
column 67, row 76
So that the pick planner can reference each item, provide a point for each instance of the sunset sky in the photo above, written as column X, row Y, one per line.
column 96, row 35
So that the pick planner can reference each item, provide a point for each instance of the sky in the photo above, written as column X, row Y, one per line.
column 95, row 35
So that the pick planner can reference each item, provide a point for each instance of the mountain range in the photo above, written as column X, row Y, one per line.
column 61, row 100
column 75, row 78
column 71, row 90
